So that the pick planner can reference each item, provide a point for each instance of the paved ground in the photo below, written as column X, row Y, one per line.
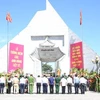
column 87, row 96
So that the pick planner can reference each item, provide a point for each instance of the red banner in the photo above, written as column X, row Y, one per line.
column 16, row 53
column 76, row 55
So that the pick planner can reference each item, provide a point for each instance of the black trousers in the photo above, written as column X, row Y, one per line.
column 51, row 88
column 76, row 86
column 63, row 89
column 45, row 90
column 82, row 88
column 2, row 85
column 69, row 86
column 38, row 85
column 26, row 88
column 9, row 88
column 22, row 88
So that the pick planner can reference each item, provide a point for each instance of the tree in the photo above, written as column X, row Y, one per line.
column 46, row 68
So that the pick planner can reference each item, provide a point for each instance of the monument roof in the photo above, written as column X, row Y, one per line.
column 47, row 22
column 48, row 54
column 47, row 43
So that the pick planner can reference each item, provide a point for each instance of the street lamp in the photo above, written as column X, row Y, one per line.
column 96, row 61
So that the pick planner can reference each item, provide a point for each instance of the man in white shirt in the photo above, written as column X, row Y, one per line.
column 63, row 83
column 69, row 84
column 38, row 84
column 82, row 84
column 22, row 84
column 45, row 84
column 2, row 84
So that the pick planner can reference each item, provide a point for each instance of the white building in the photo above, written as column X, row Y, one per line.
column 46, row 24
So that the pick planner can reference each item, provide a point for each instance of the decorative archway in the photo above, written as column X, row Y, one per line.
column 47, row 53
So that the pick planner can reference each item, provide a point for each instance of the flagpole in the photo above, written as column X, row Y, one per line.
column 81, row 31
column 9, row 19
column 7, row 43
column 81, row 22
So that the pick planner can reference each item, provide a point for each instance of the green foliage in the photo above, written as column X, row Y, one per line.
column 84, row 72
column 0, row 74
column 18, row 71
column 46, row 68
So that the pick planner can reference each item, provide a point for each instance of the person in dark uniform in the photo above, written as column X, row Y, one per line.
column 26, row 84
column 9, row 84
column 51, row 84
column 57, row 83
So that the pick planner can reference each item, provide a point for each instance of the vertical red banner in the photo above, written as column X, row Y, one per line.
column 16, row 54
column 76, row 55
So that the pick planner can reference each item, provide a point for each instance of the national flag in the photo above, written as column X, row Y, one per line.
column 8, row 17
column 80, row 17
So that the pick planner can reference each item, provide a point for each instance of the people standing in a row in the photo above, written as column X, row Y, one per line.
column 26, row 84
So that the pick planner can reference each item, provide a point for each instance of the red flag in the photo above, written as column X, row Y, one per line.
column 8, row 17
column 80, row 17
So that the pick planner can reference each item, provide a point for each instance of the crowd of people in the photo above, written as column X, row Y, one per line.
column 25, row 84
